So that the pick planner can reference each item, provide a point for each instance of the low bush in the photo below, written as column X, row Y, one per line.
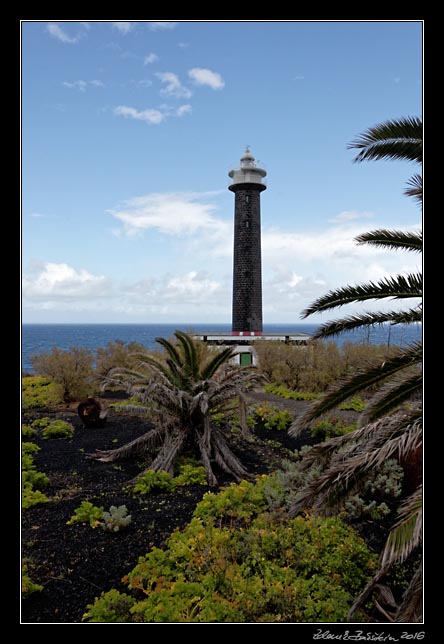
column 330, row 427
column 28, row 431
column 375, row 497
column 273, row 417
column 190, row 474
column 71, row 370
column 314, row 367
column 86, row 513
column 152, row 481
column 28, row 586
column 58, row 429
column 110, row 607
column 289, row 394
column 272, row 569
column 116, row 519
column 38, row 391
column 353, row 404
column 32, row 481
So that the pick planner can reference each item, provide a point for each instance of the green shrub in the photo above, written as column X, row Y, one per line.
column 374, row 498
column 110, row 607
column 30, row 448
column 190, row 474
column 289, row 394
column 330, row 427
column 72, row 370
column 271, row 570
column 314, row 367
column 238, row 501
column 273, row 417
column 28, row 431
column 28, row 586
column 38, row 391
column 40, row 423
column 58, row 429
column 32, row 497
column 116, row 519
column 152, row 481
column 380, row 486
column 353, row 404
column 32, row 481
column 86, row 513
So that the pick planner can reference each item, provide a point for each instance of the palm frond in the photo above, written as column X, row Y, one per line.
column 410, row 609
column 346, row 468
column 396, row 436
column 171, row 349
column 398, row 287
column 361, row 320
column 169, row 451
column 216, row 362
column 393, row 139
column 373, row 374
column 415, row 190
column 225, row 457
column 190, row 353
column 406, row 534
column 393, row 239
column 139, row 445
column 395, row 392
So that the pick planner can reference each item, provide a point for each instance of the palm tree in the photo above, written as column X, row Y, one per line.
column 186, row 390
column 391, row 425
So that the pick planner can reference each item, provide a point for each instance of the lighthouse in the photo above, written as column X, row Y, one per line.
column 247, row 266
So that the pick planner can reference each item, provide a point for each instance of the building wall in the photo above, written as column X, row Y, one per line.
column 247, row 268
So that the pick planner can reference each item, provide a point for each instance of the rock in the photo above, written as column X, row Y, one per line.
column 92, row 413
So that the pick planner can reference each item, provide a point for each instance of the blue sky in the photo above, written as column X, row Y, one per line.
column 129, row 130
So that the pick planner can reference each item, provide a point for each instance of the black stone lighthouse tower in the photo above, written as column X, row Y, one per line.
column 247, row 270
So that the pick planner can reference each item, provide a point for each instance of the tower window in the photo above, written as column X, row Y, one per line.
column 247, row 199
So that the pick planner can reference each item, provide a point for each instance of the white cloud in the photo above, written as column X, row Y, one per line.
column 161, row 26
column 178, row 214
column 60, row 34
column 82, row 85
column 47, row 281
column 38, row 215
column 149, row 116
column 173, row 86
column 193, row 287
column 184, row 109
column 183, row 45
column 143, row 83
column 150, row 59
column 123, row 27
column 299, row 77
column 202, row 76
column 350, row 215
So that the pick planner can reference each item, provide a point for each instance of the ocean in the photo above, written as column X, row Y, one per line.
column 42, row 337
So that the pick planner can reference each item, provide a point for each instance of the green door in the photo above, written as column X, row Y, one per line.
column 246, row 359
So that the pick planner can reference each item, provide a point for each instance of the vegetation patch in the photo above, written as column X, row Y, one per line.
column 152, row 481
column 38, row 392
column 58, row 429
column 353, row 404
column 330, row 427
column 221, row 568
column 273, row 417
column 32, row 480
column 289, row 394
column 86, row 513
